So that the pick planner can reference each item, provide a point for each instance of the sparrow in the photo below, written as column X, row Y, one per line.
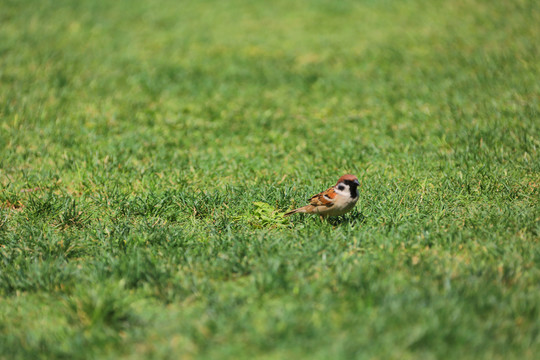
column 337, row 200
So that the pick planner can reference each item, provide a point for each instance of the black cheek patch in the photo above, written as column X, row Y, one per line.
column 352, row 188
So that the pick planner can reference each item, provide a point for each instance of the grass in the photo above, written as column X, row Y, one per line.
column 149, row 148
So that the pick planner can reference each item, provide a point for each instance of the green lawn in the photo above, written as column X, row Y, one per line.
column 149, row 148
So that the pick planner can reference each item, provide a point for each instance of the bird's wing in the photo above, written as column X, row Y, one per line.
column 325, row 198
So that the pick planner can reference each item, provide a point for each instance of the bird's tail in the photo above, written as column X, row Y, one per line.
column 299, row 210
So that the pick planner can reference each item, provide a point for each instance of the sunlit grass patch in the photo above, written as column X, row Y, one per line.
column 148, row 151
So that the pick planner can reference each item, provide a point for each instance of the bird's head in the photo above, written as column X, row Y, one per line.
column 347, row 185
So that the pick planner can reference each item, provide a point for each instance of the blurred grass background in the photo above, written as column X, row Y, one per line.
column 142, row 144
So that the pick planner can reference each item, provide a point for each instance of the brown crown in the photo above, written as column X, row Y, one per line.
column 347, row 177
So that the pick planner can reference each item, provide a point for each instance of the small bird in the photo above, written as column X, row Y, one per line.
column 337, row 200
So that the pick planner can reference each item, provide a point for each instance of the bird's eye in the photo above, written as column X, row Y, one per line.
column 341, row 187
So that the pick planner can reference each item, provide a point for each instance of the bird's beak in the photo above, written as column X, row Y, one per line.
column 356, row 182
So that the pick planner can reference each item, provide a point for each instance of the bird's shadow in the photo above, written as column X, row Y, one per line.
column 352, row 219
